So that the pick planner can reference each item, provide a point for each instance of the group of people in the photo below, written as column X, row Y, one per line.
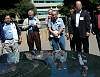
column 77, row 30
column 10, row 36
column 79, row 27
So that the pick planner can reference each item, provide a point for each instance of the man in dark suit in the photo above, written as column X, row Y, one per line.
column 96, row 25
column 81, row 28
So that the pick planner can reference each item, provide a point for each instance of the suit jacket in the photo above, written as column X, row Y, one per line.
column 84, row 23
column 95, row 25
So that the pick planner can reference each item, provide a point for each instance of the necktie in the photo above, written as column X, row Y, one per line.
column 99, row 21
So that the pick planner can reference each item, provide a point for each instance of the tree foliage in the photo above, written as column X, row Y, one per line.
column 94, row 1
column 24, row 6
column 14, row 7
column 87, row 4
column 63, row 10
column 7, row 4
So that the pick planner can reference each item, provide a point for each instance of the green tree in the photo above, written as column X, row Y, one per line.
column 63, row 10
column 7, row 4
column 87, row 4
column 94, row 1
column 14, row 7
column 23, row 7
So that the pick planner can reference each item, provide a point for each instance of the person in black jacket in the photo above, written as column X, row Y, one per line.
column 96, row 25
column 68, row 30
column 2, row 38
column 80, row 22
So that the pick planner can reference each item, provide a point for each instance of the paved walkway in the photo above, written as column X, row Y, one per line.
column 46, row 45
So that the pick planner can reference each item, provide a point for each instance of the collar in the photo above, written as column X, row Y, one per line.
column 8, row 24
column 79, row 11
column 55, row 21
column 32, row 18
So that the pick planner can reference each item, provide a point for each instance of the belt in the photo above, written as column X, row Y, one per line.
column 10, row 39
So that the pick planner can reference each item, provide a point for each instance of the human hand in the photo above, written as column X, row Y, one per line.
column 23, row 28
column 20, row 40
column 55, row 33
column 87, row 34
column 67, row 35
column 93, row 33
column 71, row 36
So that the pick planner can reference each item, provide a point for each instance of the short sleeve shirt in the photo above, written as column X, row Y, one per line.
column 57, row 25
column 8, row 31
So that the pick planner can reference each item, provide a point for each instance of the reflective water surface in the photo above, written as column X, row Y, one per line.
column 49, row 64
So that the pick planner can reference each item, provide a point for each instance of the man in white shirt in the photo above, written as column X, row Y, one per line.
column 11, row 40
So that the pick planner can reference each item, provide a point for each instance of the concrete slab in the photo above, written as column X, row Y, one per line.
column 46, row 44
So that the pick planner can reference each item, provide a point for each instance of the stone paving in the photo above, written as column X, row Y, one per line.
column 46, row 45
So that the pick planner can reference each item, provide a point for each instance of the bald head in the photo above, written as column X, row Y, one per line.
column 78, row 5
column 30, row 13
